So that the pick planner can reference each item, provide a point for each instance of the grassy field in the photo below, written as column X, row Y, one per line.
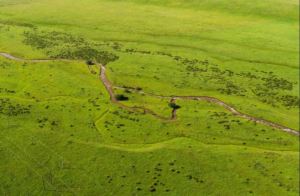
column 61, row 134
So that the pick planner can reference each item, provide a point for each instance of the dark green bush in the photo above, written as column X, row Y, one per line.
column 89, row 62
column 121, row 97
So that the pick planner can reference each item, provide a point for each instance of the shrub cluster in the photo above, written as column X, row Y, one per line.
column 63, row 45
column 10, row 109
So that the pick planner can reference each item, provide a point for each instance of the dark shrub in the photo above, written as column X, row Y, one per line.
column 121, row 97
column 90, row 62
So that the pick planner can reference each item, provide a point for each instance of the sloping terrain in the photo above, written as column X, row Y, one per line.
column 192, row 97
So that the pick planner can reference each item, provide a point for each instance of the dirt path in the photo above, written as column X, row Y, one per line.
column 109, row 87
column 216, row 101
column 113, row 99
column 240, row 114
column 11, row 57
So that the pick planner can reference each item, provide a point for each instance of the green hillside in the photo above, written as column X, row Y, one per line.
column 136, row 97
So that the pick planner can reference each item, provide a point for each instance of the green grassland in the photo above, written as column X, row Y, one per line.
column 61, row 134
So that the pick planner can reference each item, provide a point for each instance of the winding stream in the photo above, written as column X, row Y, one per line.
column 110, row 89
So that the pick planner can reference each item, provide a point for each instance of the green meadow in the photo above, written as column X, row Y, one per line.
column 60, row 133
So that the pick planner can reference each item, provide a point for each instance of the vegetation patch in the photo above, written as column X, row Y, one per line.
column 66, row 46
column 13, row 109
